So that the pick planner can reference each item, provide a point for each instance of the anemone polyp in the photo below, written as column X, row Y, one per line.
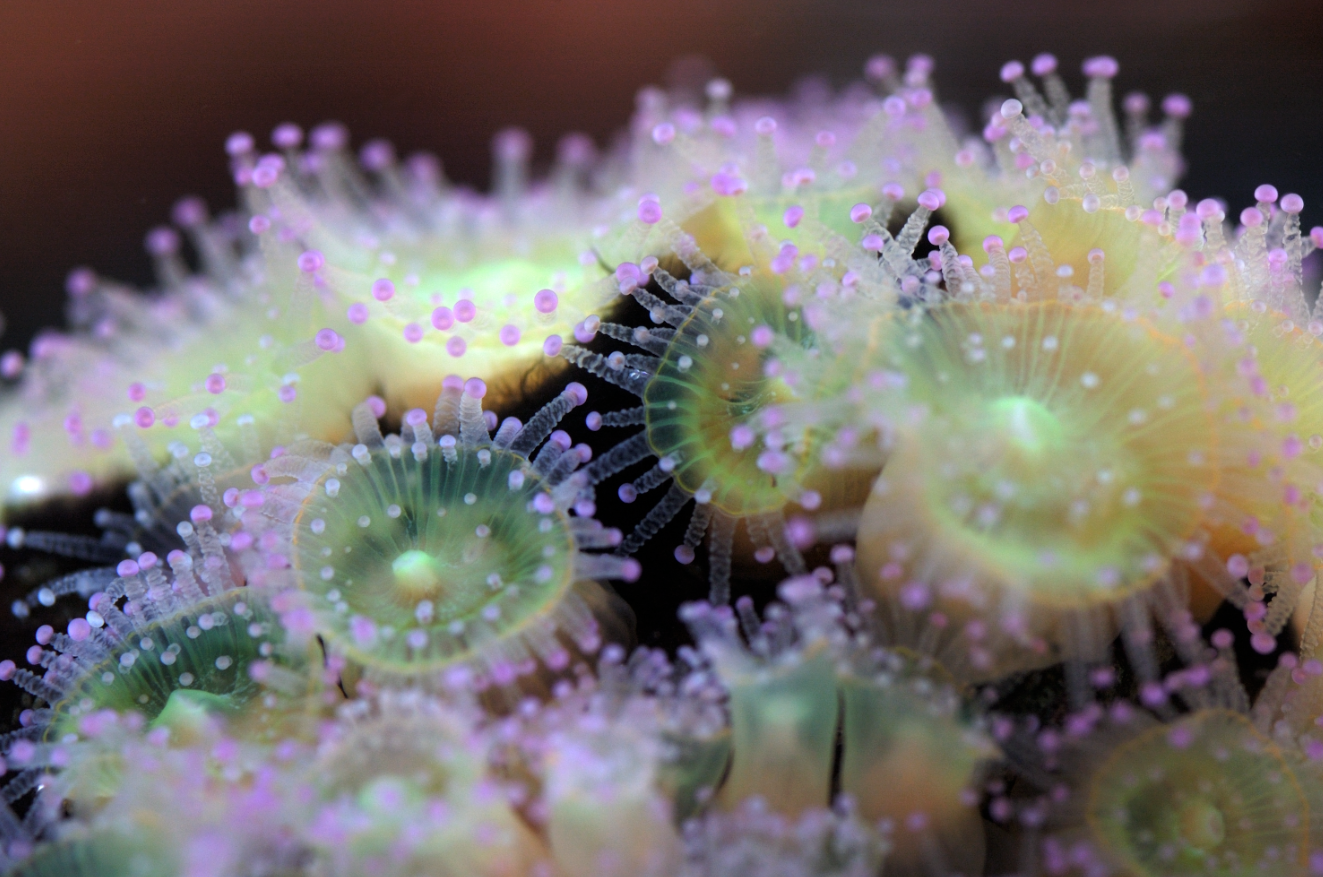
column 913, row 752
column 1044, row 150
column 1051, row 460
column 241, row 343
column 404, row 778
column 433, row 277
column 810, row 687
column 225, row 661
column 1206, row 793
column 704, row 384
column 99, row 854
column 446, row 549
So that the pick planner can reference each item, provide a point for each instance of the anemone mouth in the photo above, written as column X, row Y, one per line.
column 1059, row 451
column 405, row 735
column 413, row 565
column 1208, row 793
column 202, row 664
column 711, row 381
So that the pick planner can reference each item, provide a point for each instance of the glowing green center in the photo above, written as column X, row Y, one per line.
column 1201, row 824
column 1027, row 431
column 418, row 574
column 188, row 711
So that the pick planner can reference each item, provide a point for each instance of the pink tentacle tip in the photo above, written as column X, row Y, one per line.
column 475, row 388
column 545, row 301
column 650, row 212
column 383, row 289
column 310, row 261
column 1102, row 66
column 932, row 199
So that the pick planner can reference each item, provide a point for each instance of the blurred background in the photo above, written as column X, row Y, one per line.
column 112, row 110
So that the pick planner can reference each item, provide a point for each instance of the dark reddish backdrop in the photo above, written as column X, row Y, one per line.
column 111, row 110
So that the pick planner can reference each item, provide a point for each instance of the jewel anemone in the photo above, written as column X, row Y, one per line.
column 1050, row 464
column 239, row 345
column 446, row 553
column 434, row 277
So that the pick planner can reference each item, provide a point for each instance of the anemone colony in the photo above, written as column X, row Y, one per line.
column 1000, row 460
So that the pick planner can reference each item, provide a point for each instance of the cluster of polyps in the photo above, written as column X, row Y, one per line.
column 1062, row 435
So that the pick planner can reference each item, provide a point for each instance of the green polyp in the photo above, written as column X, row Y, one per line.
column 197, row 669
column 695, row 771
column 711, row 380
column 106, row 854
column 418, row 574
column 415, row 564
column 783, row 735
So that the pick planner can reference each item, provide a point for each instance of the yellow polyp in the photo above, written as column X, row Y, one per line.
column 719, row 233
column 968, row 213
column 909, row 756
column 1069, row 234
column 1051, row 460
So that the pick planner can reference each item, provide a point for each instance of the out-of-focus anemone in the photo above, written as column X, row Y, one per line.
column 238, row 345
column 436, row 277
column 782, row 693
column 1243, row 310
column 1206, row 794
column 757, row 840
column 806, row 690
column 913, row 753
column 213, row 808
column 404, row 789
column 1050, row 462
column 181, row 667
column 447, row 554
column 601, row 791
column 796, row 166
column 1186, row 781
column 1047, row 153
column 99, row 855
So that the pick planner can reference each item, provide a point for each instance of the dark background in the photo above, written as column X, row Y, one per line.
column 109, row 111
